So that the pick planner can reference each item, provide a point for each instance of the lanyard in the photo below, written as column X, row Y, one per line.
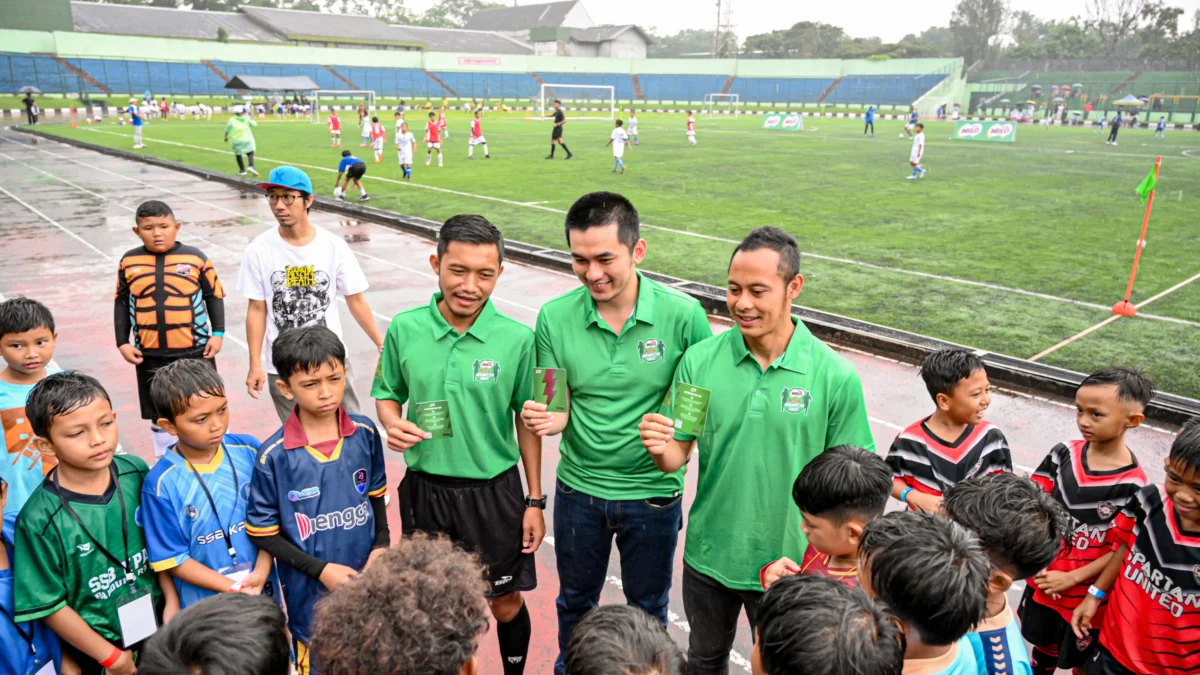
column 225, row 531
column 27, row 637
column 124, row 564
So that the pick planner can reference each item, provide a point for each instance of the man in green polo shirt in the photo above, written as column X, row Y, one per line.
column 619, row 337
column 465, row 369
column 779, row 398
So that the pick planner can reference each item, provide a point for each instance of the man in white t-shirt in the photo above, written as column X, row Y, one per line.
column 292, row 276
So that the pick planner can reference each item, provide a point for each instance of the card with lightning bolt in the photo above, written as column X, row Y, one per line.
column 550, row 388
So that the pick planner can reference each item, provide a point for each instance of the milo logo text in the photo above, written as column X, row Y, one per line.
column 1000, row 131
column 970, row 130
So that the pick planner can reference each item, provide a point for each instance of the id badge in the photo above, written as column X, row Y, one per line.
column 239, row 572
column 137, row 618
column 47, row 669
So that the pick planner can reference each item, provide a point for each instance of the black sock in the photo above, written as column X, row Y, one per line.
column 250, row 156
column 514, row 641
column 1045, row 661
column 566, row 149
column 552, row 145
column 241, row 165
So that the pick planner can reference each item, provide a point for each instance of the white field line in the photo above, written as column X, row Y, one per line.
column 55, row 223
column 1087, row 331
column 845, row 261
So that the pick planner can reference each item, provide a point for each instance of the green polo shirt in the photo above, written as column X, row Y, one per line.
column 763, row 427
column 614, row 380
column 486, row 375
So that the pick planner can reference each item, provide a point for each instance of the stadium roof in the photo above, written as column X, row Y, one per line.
column 320, row 27
column 272, row 83
column 455, row 40
column 91, row 17
column 524, row 17
column 606, row 33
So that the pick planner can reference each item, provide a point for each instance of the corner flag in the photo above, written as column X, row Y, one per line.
column 1146, row 186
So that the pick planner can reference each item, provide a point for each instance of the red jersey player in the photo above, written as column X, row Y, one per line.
column 477, row 139
column 378, row 138
column 335, row 129
column 1152, row 625
column 691, row 128
column 433, row 140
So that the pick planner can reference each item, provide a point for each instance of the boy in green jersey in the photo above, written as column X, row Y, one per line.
column 81, row 564
column 237, row 130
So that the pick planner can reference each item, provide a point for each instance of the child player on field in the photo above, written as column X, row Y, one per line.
column 1094, row 479
column 1021, row 529
column 633, row 127
column 170, row 300
column 406, row 142
column 618, row 140
column 477, row 138
column 933, row 575
column 442, row 120
column 952, row 444
column 353, row 169
column 433, row 140
column 838, row 493
column 335, row 129
column 1152, row 624
column 691, row 128
column 918, row 153
column 81, row 563
column 27, row 340
column 317, row 495
column 194, row 499
column 378, row 138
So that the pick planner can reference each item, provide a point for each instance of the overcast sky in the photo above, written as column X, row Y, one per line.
column 888, row 19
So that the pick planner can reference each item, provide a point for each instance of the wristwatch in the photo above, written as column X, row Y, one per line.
column 530, row 502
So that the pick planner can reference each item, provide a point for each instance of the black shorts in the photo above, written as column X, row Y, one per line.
column 1103, row 663
column 356, row 171
column 1043, row 626
column 145, row 373
column 484, row 516
column 556, row 134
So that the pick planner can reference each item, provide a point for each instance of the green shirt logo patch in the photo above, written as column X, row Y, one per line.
column 651, row 350
column 486, row 370
column 796, row 400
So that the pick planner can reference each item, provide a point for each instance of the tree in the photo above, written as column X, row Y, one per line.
column 222, row 34
column 453, row 13
column 689, row 42
column 804, row 40
column 1069, row 39
column 975, row 25
column 392, row 11
column 1114, row 20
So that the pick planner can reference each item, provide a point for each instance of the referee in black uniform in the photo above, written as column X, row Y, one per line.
column 556, row 136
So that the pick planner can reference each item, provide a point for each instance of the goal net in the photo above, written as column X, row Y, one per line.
column 722, row 104
column 323, row 100
column 581, row 101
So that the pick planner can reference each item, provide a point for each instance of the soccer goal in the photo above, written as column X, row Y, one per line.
column 325, row 99
column 581, row 101
column 722, row 104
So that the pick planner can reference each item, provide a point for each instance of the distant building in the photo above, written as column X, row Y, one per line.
column 562, row 29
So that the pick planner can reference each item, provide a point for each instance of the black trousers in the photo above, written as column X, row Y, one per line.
column 1112, row 135
column 712, row 611
column 870, row 126
column 30, row 116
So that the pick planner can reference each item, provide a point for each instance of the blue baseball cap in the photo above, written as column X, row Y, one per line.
column 288, row 177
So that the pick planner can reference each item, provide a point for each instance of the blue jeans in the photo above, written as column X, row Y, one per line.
column 646, row 530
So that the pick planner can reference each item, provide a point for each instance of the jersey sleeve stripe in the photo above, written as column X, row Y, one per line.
column 159, row 485
column 378, row 493
column 169, row 563
column 35, row 614
column 267, row 450
column 268, row 531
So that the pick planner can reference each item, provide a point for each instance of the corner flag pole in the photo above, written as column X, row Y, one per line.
column 1124, row 307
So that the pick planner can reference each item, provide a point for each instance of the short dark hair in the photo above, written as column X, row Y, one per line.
column 153, row 209
column 19, row 315
column 469, row 229
column 844, row 482
column 817, row 626
column 944, row 369
column 777, row 240
column 600, row 209
column 1185, row 449
column 346, row 153
column 920, row 125
column 558, row 101
column 1019, row 525
column 174, row 385
column 930, row 571
column 427, row 607
column 431, row 114
column 1132, row 385
column 60, row 394
column 622, row 640
column 620, row 123
column 374, row 118
column 307, row 348
column 226, row 634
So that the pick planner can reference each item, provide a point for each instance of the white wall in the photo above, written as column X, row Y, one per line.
column 628, row 45
column 578, row 18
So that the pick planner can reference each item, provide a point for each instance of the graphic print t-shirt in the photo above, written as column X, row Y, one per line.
column 23, row 467
column 299, row 284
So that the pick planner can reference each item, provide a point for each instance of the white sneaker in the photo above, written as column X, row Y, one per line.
column 251, row 170
column 910, row 177
column 1114, row 142
column 241, row 173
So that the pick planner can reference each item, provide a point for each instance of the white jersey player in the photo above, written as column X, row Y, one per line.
column 405, row 142
column 918, row 152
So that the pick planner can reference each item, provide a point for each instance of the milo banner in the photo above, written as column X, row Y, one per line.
column 995, row 132
column 783, row 122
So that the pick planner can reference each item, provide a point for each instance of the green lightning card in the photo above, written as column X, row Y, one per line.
column 550, row 388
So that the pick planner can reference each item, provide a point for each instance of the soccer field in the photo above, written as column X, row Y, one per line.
column 1014, row 248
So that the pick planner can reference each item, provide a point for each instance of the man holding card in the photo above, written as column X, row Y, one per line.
column 465, row 369
column 761, row 401
column 618, row 338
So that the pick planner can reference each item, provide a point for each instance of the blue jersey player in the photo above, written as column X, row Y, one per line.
column 194, row 499
column 317, row 496
column 913, row 118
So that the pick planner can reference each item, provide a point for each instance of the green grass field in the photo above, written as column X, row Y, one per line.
column 1053, row 214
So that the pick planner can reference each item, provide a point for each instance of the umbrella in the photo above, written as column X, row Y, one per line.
column 1036, row 87
column 29, row 90
column 1057, row 98
column 1031, row 102
column 1004, row 100
column 1129, row 100
column 1077, row 86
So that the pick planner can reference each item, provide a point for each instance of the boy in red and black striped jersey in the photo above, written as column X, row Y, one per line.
column 838, row 493
column 1094, row 478
column 1152, row 624
column 924, row 463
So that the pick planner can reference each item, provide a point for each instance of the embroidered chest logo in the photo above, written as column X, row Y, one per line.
column 486, row 370
column 795, row 400
column 192, row 512
column 1196, row 573
column 1106, row 510
column 360, row 481
column 183, row 269
column 651, row 351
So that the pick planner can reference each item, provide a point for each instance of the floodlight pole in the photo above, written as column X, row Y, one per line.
column 1124, row 307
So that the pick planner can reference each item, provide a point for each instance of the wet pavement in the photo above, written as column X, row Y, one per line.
column 67, row 219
